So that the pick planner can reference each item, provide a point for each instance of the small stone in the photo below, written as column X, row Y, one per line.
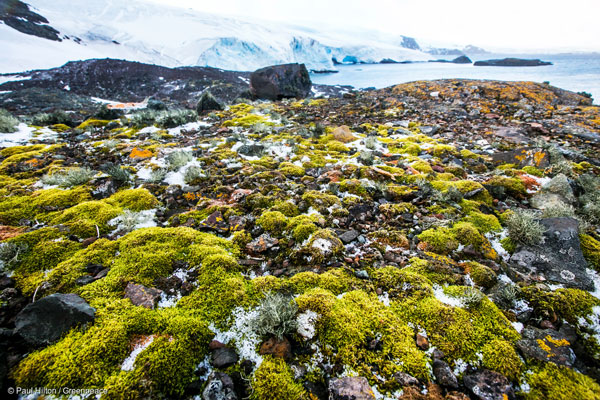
column 405, row 379
column 361, row 274
column 142, row 296
column 422, row 342
column 219, row 387
column 262, row 243
column 276, row 348
column 489, row 385
column 216, row 222
column 223, row 357
column 444, row 375
column 350, row 388
column 215, row 344
column 348, row 236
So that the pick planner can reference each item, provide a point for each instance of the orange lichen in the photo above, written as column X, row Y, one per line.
column 139, row 153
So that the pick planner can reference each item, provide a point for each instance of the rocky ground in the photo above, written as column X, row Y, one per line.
column 432, row 240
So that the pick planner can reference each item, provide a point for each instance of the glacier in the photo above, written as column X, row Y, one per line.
column 171, row 36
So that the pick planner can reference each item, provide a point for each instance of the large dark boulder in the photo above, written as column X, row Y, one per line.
column 208, row 102
column 45, row 321
column 280, row 81
column 511, row 62
column 557, row 259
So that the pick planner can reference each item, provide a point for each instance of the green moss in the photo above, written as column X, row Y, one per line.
column 533, row 171
column 320, row 201
column 465, row 186
column 336, row 281
column 402, row 283
column 354, row 186
column 550, row 381
column 568, row 304
column 458, row 332
column 422, row 166
column 399, row 192
column 337, row 146
column 484, row 222
column 290, row 169
column 273, row 222
column 481, row 275
column 591, row 250
column 500, row 356
column 347, row 323
column 83, row 218
column 392, row 210
column 274, row 380
column 95, row 123
column 133, row 199
column 440, row 150
column 468, row 154
column 439, row 240
column 287, row 208
column 11, row 151
column 513, row 186
column 248, row 120
column 467, row 234
column 508, row 245
column 39, row 203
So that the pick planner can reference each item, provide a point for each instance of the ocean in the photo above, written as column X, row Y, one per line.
column 575, row 72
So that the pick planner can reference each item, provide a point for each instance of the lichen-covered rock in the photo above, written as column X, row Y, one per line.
column 141, row 295
column 219, row 387
column 489, row 385
column 280, row 81
column 558, row 259
column 46, row 320
column 548, row 345
column 350, row 388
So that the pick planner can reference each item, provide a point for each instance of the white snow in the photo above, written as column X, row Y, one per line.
column 439, row 294
column 23, row 135
column 518, row 326
column 187, row 37
column 240, row 332
column 306, row 324
column 129, row 362
column 323, row 245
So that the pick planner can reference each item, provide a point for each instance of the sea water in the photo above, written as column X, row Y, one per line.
column 575, row 72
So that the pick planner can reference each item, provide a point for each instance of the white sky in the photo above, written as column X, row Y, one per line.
column 496, row 25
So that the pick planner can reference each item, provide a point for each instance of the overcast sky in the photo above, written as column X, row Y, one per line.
column 496, row 25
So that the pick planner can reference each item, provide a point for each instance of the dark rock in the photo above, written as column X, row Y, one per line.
column 216, row 222
column 223, row 357
column 348, row 236
column 489, row 385
column 405, row 379
column 350, row 388
column 84, row 280
column 262, row 243
column 512, row 135
column 45, row 321
column 251, row 150
column 17, row 15
column 276, row 348
column 511, row 62
column 280, row 81
column 219, row 387
column 547, row 345
column 444, row 375
column 462, row 60
column 558, row 259
column 141, row 295
column 208, row 102
column 422, row 342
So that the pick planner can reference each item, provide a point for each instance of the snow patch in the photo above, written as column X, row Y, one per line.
column 23, row 135
column 129, row 362
column 306, row 324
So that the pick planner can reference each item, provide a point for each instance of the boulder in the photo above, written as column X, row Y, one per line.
column 558, row 259
column 548, row 345
column 280, row 81
column 141, row 295
column 45, row 321
column 208, row 102
column 511, row 62
column 489, row 385
column 219, row 387
column 350, row 388
column 216, row 222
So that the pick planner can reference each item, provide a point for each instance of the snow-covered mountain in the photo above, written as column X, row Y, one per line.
column 171, row 36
